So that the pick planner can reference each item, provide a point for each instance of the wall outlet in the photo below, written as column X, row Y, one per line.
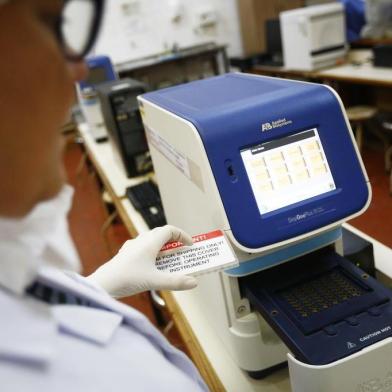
column 206, row 17
column 176, row 10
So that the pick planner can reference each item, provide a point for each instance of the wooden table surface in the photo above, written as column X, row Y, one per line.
column 364, row 73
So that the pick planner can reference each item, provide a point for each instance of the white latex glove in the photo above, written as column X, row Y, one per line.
column 133, row 269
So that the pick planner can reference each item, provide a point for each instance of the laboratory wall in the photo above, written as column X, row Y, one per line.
column 138, row 28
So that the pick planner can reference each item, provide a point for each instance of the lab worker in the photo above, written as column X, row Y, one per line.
column 60, row 331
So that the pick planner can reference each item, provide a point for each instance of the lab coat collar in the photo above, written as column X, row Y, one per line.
column 76, row 284
column 41, row 237
column 29, row 332
column 91, row 324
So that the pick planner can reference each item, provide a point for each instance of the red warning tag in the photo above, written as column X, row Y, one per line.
column 209, row 252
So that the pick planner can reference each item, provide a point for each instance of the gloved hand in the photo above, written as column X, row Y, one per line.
column 133, row 269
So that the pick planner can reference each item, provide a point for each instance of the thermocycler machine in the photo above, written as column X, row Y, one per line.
column 274, row 164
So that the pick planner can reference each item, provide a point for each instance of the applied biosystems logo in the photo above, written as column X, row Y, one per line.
column 275, row 124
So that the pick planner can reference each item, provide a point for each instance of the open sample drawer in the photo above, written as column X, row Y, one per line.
column 322, row 306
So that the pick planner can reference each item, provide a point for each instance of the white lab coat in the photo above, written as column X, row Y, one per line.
column 44, row 347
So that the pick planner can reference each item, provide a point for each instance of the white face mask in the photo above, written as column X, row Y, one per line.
column 43, row 238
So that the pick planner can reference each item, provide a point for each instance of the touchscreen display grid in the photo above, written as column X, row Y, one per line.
column 287, row 170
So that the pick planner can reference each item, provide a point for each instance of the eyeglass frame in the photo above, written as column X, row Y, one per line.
column 94, row 30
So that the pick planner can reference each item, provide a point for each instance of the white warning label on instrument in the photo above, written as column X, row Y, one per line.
column 168, row 151
column 209, row 252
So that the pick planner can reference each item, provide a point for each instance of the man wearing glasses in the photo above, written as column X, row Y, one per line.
column 60, row 331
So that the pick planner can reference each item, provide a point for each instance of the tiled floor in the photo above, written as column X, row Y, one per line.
column 89, row 213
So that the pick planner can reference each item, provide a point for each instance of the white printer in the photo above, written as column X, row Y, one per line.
column 313, row 37
column 273, row 163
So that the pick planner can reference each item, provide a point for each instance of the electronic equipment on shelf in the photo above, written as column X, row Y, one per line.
column 146, row 199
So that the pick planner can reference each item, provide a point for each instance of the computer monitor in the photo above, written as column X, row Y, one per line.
column 273, row 54
column 273, row 37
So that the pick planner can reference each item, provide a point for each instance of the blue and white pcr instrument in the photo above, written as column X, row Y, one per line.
column 274, row 164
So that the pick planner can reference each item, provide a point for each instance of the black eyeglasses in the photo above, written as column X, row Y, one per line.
column 78, row 27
